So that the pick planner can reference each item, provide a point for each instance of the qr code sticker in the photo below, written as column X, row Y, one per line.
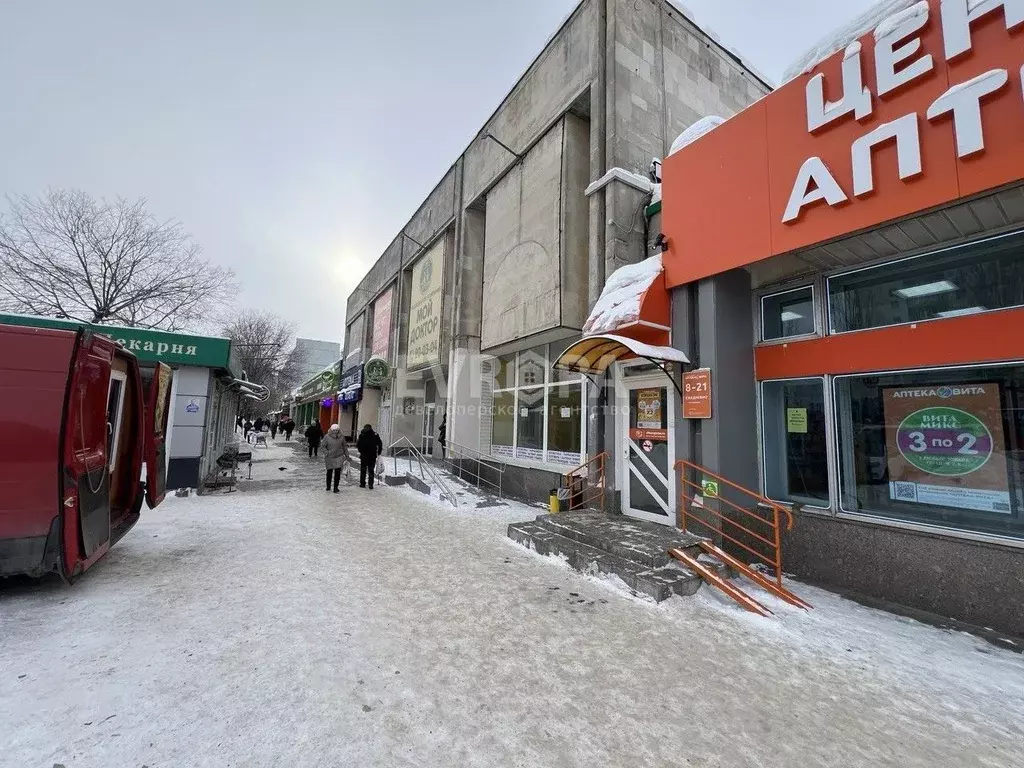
column 905, row 491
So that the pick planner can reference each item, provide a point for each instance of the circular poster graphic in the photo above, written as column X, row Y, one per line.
column 945, row 441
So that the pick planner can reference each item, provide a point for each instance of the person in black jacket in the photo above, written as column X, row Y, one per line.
column 370, row 447
column 314, row 434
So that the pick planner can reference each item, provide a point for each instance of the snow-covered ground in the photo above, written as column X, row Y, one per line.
column 294, row 627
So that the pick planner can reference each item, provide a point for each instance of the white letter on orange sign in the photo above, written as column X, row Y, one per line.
column 908, row 152
column 887, row 55
column 964, row 101
column 825, row 187
column 957, row 16
column 856, row 97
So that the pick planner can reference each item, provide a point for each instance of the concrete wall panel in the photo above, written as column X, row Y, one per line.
column 522, row 280
column 562, row 72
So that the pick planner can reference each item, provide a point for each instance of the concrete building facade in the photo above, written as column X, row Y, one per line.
column 497, row 270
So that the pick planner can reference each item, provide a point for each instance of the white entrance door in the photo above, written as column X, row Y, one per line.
column 647, row 455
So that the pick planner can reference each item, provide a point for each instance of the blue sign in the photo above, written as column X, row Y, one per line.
column 351, row 386
column 192, row 407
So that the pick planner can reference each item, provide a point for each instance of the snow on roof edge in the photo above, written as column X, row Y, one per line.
column 841, row 37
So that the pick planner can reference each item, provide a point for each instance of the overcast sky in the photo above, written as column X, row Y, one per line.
column 293, row 138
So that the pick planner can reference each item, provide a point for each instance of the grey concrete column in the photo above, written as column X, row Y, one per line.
column 728, row 441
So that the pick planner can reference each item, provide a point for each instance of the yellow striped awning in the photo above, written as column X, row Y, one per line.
column 595, row 354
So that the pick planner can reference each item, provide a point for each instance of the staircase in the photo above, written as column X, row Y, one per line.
column 635, row 551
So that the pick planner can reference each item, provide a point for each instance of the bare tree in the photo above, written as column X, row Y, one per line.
column 68, row 255
column 264, row 348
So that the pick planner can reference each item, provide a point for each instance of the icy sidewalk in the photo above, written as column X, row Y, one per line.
column 382, row 628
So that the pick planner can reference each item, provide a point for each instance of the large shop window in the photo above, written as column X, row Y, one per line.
column 788, row 314
column 538, row 414
column 965, row 280
column 795, row 446
column 943, row 447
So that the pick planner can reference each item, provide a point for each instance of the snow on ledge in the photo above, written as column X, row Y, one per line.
column 619, row 304
column 890, row 25
column 841, row 38
column 700, row 128
column 629, row 178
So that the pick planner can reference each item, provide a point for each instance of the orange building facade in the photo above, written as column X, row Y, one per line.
column 846, row 258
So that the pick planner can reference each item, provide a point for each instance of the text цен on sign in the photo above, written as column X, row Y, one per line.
column 901, row 61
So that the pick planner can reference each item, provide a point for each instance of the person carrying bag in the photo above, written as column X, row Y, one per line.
column 335, row 455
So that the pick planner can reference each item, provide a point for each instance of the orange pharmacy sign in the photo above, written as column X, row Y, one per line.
column 697, row 394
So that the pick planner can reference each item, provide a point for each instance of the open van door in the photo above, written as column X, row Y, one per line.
column 85, row 481
column 156, row 383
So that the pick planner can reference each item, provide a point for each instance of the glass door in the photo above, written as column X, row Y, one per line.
column 427, row 444
column 647, row 477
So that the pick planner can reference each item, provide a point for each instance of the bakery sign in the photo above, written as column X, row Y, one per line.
column 904, row 65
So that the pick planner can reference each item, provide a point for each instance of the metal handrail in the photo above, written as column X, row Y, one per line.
column 410, row 448
column 481, row 460
column 773, row 537
column 596, row 467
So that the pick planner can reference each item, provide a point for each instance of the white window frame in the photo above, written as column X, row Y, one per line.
column 771, row 294
column 896, row 522
column 115, row 439
column 547, row 385
column 830, row 331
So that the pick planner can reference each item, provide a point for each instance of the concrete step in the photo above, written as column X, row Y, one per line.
column 658, row 583
column 634, row 540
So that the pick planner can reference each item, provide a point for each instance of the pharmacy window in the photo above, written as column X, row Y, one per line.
column 788, row 314
column 964, row 280
column 941, row 447
column 795, row 451
column 538, row 414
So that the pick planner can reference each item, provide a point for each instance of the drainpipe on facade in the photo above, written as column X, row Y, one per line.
column 599, row 121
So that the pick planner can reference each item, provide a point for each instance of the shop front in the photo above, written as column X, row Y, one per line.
column 880, row 272
column 350, row 393
column 316, row 400
column 205, row 392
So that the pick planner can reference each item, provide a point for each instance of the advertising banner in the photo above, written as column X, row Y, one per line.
column 425, row 309
column 380, row 345
column 945, row 446
column 649, row 408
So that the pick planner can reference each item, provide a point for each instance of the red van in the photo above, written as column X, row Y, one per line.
column 79, row 421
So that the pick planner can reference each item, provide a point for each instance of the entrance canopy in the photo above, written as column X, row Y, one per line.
column 595, row 354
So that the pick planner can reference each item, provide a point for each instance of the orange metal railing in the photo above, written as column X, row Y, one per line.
column 586, row 484
column 758, row 535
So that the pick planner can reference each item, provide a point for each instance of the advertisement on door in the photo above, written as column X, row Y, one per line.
column 945, row 446
column 649, row 416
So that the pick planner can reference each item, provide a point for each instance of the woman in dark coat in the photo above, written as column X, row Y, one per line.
column 314, row 434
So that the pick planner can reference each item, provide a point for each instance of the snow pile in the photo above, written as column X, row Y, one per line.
column 619, row 304
column 842, row 37
column 914, row 13
column 701, row 128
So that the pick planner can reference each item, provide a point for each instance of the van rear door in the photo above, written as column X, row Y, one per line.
column 156, row 383
column 85, row 481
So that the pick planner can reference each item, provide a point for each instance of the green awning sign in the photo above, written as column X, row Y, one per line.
column 146, row 345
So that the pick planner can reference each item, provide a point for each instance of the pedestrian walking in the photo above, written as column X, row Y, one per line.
column 335, row 455
column 442, row 434
column 313, row 437
column 260, row 423
column 246, row 429
column 273, row 429
column 370, row 447
column 289, row 425
column 239, row 424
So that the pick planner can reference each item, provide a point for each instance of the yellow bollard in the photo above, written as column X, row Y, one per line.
column 555, row 504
